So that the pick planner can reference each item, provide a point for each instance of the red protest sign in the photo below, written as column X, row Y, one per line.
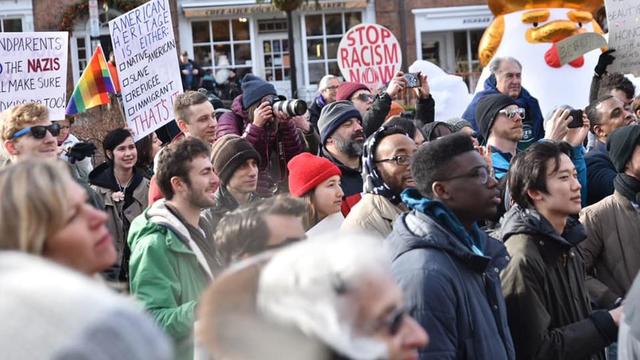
column 369, row 54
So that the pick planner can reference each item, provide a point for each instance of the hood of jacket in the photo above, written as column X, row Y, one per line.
column 530, row 222
column 238, row 110
column 415, row 230
column 160, row 219
column 103, row 176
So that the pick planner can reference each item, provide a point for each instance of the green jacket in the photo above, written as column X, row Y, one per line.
column 167, row 273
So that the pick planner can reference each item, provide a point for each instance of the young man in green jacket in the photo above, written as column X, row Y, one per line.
column 171, row 255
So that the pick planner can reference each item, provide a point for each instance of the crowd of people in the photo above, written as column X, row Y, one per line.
column 358, row 230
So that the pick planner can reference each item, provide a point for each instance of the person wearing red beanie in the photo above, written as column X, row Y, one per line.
column 317, row 181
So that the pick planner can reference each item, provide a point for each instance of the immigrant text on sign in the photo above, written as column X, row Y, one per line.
column 33, row 68
column 147, row 62
column 369, row 54
column 623, row 18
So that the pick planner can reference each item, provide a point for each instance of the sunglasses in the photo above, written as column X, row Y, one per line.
column 39, row 131
column 511, row 114
column 365, row 97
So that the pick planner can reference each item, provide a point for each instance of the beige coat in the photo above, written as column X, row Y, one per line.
column 612, row 249
column 115, row 223
column 373, row 214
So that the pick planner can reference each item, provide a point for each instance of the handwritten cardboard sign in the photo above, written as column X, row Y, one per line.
column 33, row 68
column 369, row 54
column 148, row 69
column 623, row 17
column 575, row 46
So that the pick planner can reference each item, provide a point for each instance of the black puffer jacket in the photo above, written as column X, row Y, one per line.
column 550, row 316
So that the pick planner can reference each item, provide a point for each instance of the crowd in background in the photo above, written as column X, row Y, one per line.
column 361, row 228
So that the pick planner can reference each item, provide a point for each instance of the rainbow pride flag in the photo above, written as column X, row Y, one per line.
column 94, row 85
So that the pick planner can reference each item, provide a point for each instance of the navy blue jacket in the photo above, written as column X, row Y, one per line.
column 452, row 292
column 600, row 173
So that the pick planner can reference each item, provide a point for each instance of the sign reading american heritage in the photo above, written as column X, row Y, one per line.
column 369, row 54
column 148, row 69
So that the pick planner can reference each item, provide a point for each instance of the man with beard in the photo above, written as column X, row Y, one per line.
column 171, row 255
column 196, row 118
column 387, row 155
column 342, row 139
column 446, row 265
column 500, row 122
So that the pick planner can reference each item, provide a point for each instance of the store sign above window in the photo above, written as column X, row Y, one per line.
column 369, row 54
column 478, row 20
column 267, row 8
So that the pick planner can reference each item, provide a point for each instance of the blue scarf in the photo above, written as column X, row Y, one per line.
column 441, row 213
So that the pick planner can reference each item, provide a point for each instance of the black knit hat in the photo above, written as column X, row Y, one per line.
column 228, row 153
column 620, row 145
column 254, row 89
column 487, row 110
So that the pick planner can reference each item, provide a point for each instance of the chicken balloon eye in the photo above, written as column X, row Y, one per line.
column 579, row 24
column 535, row 24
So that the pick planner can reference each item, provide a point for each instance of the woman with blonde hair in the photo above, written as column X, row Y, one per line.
column 317, row 181
column 45, row 212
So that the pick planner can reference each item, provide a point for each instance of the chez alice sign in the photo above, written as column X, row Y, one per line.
column 252, row 7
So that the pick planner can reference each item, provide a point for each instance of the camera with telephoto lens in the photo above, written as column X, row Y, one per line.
column 292, row 107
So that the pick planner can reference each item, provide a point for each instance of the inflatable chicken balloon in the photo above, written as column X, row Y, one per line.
column 528, row 30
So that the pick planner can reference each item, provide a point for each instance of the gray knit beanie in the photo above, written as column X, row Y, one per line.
column 334, row 115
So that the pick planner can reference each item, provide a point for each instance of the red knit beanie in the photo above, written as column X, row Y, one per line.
column 347, row 89
column 306, row 171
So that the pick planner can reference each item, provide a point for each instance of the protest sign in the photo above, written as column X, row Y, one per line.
column 147, row 62
column 575, row 46
column 623, row 17
column 33, row 68
column 369, row 54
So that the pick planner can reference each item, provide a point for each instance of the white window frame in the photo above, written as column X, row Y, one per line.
column 305, row 38
column 231, row 42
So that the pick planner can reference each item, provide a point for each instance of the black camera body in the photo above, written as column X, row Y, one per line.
column 293, row 107
column 576, row 122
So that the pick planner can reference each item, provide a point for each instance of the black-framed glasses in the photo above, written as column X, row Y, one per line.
column 38, row 131
column 400, row 160
column 511, row 113
column 481, row 173
column 364, row 97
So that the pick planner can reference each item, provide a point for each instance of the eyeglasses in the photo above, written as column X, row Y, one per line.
column 511, row 114
column 364, row 97
column 332, row 88
column 400, row 160
column 39, row 131
column 481, row 174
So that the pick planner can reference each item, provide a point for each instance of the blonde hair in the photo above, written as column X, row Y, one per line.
column 34, row 200
column 21, row 116
column 184, row 101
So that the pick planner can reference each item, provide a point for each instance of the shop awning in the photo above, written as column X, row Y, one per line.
column 247, row 7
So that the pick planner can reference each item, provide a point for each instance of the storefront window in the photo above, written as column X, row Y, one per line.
column 11, row 25
column 455, row 52
column 223, row 49
column 323, row 33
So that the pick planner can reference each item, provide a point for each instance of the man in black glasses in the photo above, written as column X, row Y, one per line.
column 386, row 173
column 27, row 132
column 446, row 265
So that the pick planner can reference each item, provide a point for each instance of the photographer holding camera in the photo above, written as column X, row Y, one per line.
column 374, row 108
column 267, row 122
